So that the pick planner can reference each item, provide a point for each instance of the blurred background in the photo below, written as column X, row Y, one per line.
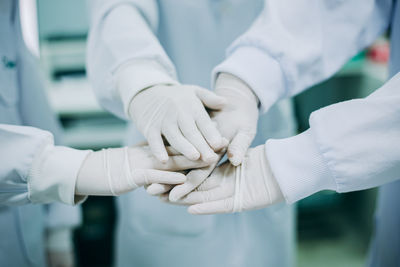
column 332, row 229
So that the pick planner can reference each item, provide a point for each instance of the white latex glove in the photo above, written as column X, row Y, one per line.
column 178, row 112
column 248, row 186
column 119, row 170
column 237, row 120
column 59, row 247
column 194, row 179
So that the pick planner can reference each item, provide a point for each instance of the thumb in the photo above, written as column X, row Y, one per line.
column 210, row 99
column 238, row 147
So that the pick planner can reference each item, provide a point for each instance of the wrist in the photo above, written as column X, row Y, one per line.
column 139, row 75
column 53, row 175
column 234, row 85
column 299, row 166
column 273, row 189
column 262, row 73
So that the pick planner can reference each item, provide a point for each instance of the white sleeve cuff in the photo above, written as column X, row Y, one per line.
column 54, row 173
column 261, row 72
column 298, row 166
column 137, row 75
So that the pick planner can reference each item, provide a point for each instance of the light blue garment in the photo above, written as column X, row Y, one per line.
column 385, row 246
column 195, row 35
column 23, row 102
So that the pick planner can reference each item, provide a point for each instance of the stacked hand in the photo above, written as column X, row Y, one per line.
column 236, row 121
column 119, row 170
column 229, row 188
column 178, row 113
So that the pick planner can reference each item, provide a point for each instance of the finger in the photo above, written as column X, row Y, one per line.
column 145, row 177
column 209, row 130
column 193, row 135
column 180, row 163
column 214, row 194
column 210, row 183
column 214, row 207
column 194, row 179
column 238, row 147
column 158, row 189
column 225, row 143
column 177, row 141
column 210, row 99
column 157, row 146
column 172, row 151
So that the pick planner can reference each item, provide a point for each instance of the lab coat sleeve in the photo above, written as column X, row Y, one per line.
column 295, row 44
column 33, row 170
column 122, row 40
column 350, row 146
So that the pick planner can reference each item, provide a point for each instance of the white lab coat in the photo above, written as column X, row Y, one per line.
column 169, row 41
column 22, row 102
column 356, row 144
column 350, row 146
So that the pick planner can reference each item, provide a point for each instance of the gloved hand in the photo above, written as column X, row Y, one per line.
column 59, row 247
column 248, row 186
column 119, row 170
column 236, row 121
column 175, row 192
column 178, row 112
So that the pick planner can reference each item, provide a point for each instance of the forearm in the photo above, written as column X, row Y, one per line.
column 34, row 170
column 353, row 145
column 124, row 55
column 292, row 46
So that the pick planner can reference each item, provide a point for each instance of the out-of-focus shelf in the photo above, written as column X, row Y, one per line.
column 86, row 124
column 95, row 136
column 73, row 97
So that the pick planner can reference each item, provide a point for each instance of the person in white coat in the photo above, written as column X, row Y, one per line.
column 352, row 145
column 149, row 62
column 31, row 235
column 34, row 171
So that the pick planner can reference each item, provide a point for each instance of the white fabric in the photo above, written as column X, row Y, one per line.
column 119, row 170
column 53, row 175
column 248, row 186
column 303, row 43
column 122, row 49
column 294, row 45
column 350, row 146
column 300, row 170
column 47, row 172
column 23, row 102
column 178, row 113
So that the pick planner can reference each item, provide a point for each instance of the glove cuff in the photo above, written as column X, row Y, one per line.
column 139, row 75
column 230, row 82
